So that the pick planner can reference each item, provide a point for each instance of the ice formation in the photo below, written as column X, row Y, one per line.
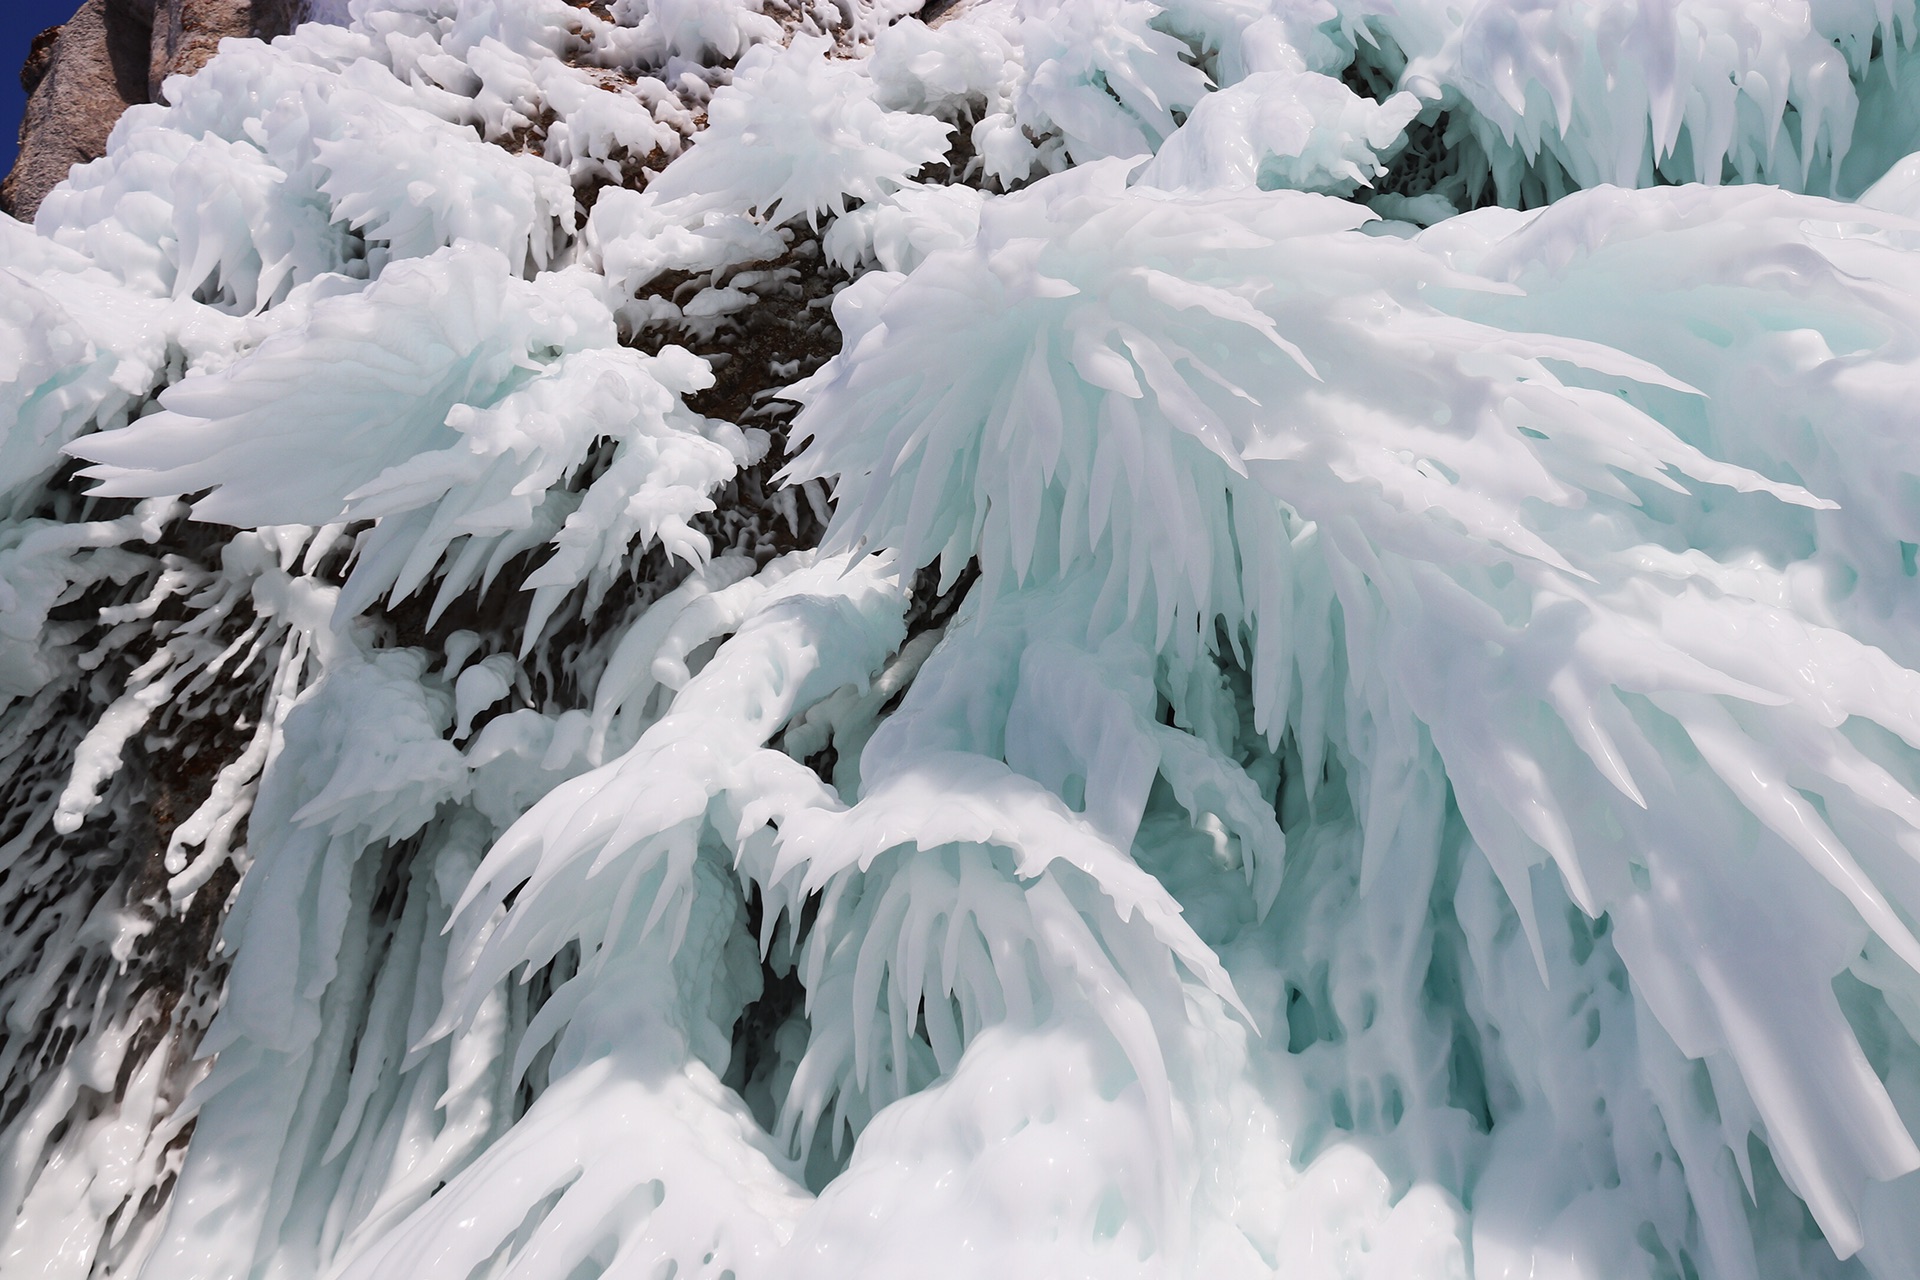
column 768, row 638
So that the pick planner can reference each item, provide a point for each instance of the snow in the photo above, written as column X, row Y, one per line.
column 767, row 639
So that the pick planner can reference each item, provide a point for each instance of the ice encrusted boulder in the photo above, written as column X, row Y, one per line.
column 790, row 638
column 111, row 54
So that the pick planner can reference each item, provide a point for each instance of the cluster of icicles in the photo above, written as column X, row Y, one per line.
column 1308, row 746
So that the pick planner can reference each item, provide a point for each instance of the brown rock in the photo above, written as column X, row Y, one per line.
column 186, row 33
column 39, row 58
column 95, row 68
column 109, row 56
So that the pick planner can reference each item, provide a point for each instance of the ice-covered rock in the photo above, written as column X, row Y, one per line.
column 780, row 638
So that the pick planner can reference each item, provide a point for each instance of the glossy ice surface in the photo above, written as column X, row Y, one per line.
column 1415, row 772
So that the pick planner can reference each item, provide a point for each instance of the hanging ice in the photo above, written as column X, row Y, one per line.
column 766, row 639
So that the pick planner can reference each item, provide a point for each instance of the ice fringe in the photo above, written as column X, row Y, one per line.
column 1304, row 748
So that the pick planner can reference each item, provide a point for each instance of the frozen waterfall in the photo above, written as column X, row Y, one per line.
column 1027, row 639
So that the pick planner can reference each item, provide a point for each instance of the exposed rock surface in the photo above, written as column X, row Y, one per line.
column 109, row 56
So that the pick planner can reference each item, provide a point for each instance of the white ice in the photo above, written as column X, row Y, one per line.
column 1413, row 769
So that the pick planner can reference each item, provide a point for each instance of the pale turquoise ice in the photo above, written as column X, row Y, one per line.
column 1425, row 782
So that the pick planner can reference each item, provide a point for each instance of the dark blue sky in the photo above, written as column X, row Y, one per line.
column 20, row 21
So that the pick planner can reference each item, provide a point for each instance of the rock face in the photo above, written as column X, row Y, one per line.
column 109, row 56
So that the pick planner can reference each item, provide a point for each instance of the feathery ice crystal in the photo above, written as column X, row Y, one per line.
column 771, row 638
